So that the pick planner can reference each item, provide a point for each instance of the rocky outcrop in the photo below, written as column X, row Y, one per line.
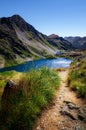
column 9, row 91
column 82, row 113
column 69, row 109
column 71, row 105
column 73, row 111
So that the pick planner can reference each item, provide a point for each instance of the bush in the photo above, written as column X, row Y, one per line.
column 77, row 77
column 35, row 91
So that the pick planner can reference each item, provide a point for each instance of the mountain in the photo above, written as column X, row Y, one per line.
column 60, row 42
column 77, row 42
column 20, row 41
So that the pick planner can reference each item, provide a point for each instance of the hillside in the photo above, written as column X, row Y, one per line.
column 20, row 41
column 60, row 42
column 77, row 42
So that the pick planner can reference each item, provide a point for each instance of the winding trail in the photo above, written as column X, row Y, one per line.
column 52, row 119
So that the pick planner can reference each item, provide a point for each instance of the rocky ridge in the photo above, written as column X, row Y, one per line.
column 77, row 42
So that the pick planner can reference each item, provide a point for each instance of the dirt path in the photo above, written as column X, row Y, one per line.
column 63, row 113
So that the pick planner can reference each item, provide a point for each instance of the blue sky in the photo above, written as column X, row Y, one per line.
column 61, row 17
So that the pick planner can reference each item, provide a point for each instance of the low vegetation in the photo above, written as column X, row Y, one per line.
column 5, row 76
column 35, row 91
column 77, row 77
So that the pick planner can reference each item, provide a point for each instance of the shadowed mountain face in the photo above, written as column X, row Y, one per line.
column 60, row 42
column 20, row 41
column 77, row 42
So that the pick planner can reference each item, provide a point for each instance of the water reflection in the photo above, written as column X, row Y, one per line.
column 50, row 63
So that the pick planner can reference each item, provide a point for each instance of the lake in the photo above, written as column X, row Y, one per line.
column 50, row 63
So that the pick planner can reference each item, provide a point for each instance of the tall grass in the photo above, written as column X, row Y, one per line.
column 35, row 91
column 5, row 76
column 77, row 77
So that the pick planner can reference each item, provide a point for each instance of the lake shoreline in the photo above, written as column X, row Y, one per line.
column 50, row 63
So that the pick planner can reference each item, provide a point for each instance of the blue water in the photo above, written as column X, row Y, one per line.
column 50, row 63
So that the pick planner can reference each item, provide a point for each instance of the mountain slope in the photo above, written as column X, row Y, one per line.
column 60, row 42
column 77, row 42
column 20, row 41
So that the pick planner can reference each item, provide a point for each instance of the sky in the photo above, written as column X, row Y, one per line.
column 61, row 17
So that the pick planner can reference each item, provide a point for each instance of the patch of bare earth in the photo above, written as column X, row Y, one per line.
column 64, row 111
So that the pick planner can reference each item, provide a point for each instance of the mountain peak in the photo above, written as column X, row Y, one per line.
column 13, row 19
column 53, row 36
column 16, row 18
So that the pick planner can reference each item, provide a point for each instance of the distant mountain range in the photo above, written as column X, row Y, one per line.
column 20, row 41
column 77, row 42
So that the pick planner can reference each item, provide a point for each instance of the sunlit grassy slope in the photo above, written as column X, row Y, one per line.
column 77, row 77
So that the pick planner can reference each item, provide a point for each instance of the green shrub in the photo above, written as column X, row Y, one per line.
column 35, row 91
column 77, row 77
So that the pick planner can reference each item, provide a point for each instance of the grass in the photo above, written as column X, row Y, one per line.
column 34, row 92
column 5, row 76
column 77, row 77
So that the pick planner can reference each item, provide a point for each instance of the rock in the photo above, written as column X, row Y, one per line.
column 59, row 97
column 77, row 127
column 71, row 105
column 82, row 113
column 65, row 108
column 81, row 116
column 38, row 128
column 9, row 90
column 10, row 83
column 67, row 102
column 63, row 128
column 66, row 111
column 54, row 114
column 84, row 109
column 69, row 114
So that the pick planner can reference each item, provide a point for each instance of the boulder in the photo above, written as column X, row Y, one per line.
column 9, row 90
column 69, row 114
column 69, row 109
column 66, row 111
column 71, row 105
